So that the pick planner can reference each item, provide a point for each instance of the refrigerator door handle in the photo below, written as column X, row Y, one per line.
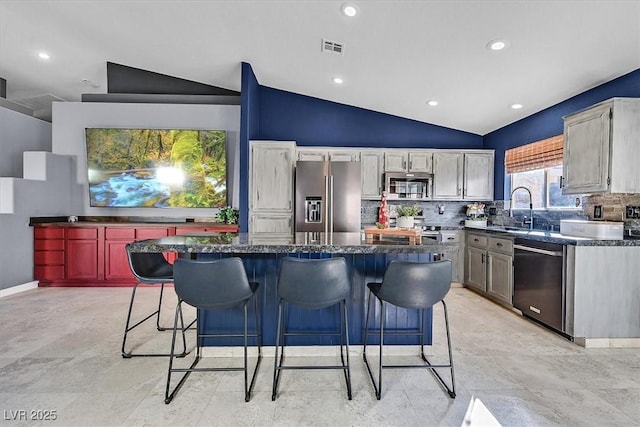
column 326, row 205
column 331, row 203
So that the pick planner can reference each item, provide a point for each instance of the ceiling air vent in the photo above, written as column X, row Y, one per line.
column 329, row 46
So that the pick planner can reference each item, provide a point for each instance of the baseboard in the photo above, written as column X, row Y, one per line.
column 315, row 350
column 18, row 288
column 608, row 342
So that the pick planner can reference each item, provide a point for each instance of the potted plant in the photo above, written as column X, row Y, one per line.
column 228, row 215
column 405, row 216
column 476, row 216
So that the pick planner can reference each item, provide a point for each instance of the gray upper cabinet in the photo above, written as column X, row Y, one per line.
column 408, row 161
column 320, row 154
column 271, row 185
column 395, row 161
column 601, row 148
column 447, row 175
column 311, row 154
column 344, row 155
column 463, row 175
column 478, row 176
column 371, row 167
column 420, row 161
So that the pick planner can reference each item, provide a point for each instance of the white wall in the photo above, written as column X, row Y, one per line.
column 71, row 118
column 19, row 133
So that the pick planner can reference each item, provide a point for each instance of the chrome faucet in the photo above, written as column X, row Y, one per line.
column 524, row 221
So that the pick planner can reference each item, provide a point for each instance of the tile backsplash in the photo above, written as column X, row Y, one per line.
column 454, row 213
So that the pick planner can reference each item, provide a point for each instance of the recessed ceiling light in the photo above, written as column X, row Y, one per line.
column 432, row 103
column 516, row 106
column 43, row 55
column 496, row 45
column 349, row 10
column 337, row 80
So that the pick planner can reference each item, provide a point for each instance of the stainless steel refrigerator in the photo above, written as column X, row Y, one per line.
column 328, row 196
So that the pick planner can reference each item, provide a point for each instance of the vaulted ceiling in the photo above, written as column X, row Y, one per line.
column 397, row 54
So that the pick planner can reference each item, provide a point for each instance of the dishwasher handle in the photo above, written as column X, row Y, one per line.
column 538, row 251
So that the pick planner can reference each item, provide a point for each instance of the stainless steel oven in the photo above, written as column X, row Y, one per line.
column 538, row 281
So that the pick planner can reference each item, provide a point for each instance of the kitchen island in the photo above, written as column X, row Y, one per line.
column 261, row 254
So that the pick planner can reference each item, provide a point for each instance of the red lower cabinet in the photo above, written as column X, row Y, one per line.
column 115, row 252
column 48, row 256
column 84, row 256
column 116, row 265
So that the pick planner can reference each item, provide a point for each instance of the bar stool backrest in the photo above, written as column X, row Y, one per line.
column 415, row 284
column 150, row 267
column 314, row 283
column 211, row 284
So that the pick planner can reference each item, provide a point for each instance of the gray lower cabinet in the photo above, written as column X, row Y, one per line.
column 500, row 276
column 270, row 223
column 475, row 268
column 455, row 253
column 489, row 266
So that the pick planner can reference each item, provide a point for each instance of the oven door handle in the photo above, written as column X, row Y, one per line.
column 538, row 251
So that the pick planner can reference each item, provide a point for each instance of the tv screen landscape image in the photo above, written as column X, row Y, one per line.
column 156, row 168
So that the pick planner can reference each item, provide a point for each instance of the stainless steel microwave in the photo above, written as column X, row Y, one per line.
column 408, row 186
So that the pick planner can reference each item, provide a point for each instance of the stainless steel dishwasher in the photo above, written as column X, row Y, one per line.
column 538, row 281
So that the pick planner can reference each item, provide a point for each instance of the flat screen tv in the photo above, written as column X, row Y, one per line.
column 156, row 168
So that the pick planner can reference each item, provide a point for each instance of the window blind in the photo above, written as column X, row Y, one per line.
column 537, row 155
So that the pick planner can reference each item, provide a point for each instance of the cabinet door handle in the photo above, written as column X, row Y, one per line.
column 404, row 164
column 450, row 238
column 476, row 240
column 498, row 244
column 410, row 164
column 561, row 181
column 482, row 259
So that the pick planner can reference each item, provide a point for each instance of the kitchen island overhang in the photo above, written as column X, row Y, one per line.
column 261, row 255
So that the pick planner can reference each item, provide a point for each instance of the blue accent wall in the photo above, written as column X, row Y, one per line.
column 273, row 114
column 249, row 129
column 316, row 122
column 548, row 122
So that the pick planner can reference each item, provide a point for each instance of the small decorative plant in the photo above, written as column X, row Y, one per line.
column 228, row 215
column 408, row 210
column 405, row 216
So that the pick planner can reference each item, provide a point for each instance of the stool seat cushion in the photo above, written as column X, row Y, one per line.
column 213, row 284
column 415, row 285
column 314, row 283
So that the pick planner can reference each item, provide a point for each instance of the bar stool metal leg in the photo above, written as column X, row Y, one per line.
column 128, row 354
column 248, row 385
column 451, row 391
column 377, row 385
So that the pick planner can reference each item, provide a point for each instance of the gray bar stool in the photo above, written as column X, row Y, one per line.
column 213, row 285
column 312, row 284
column 411, row 285
column 148, row 269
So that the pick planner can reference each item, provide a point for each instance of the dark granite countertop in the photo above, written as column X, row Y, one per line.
column 553, row 237
column 337, row 243
column 122, row 221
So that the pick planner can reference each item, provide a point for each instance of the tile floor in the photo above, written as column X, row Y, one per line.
column 61, row 352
